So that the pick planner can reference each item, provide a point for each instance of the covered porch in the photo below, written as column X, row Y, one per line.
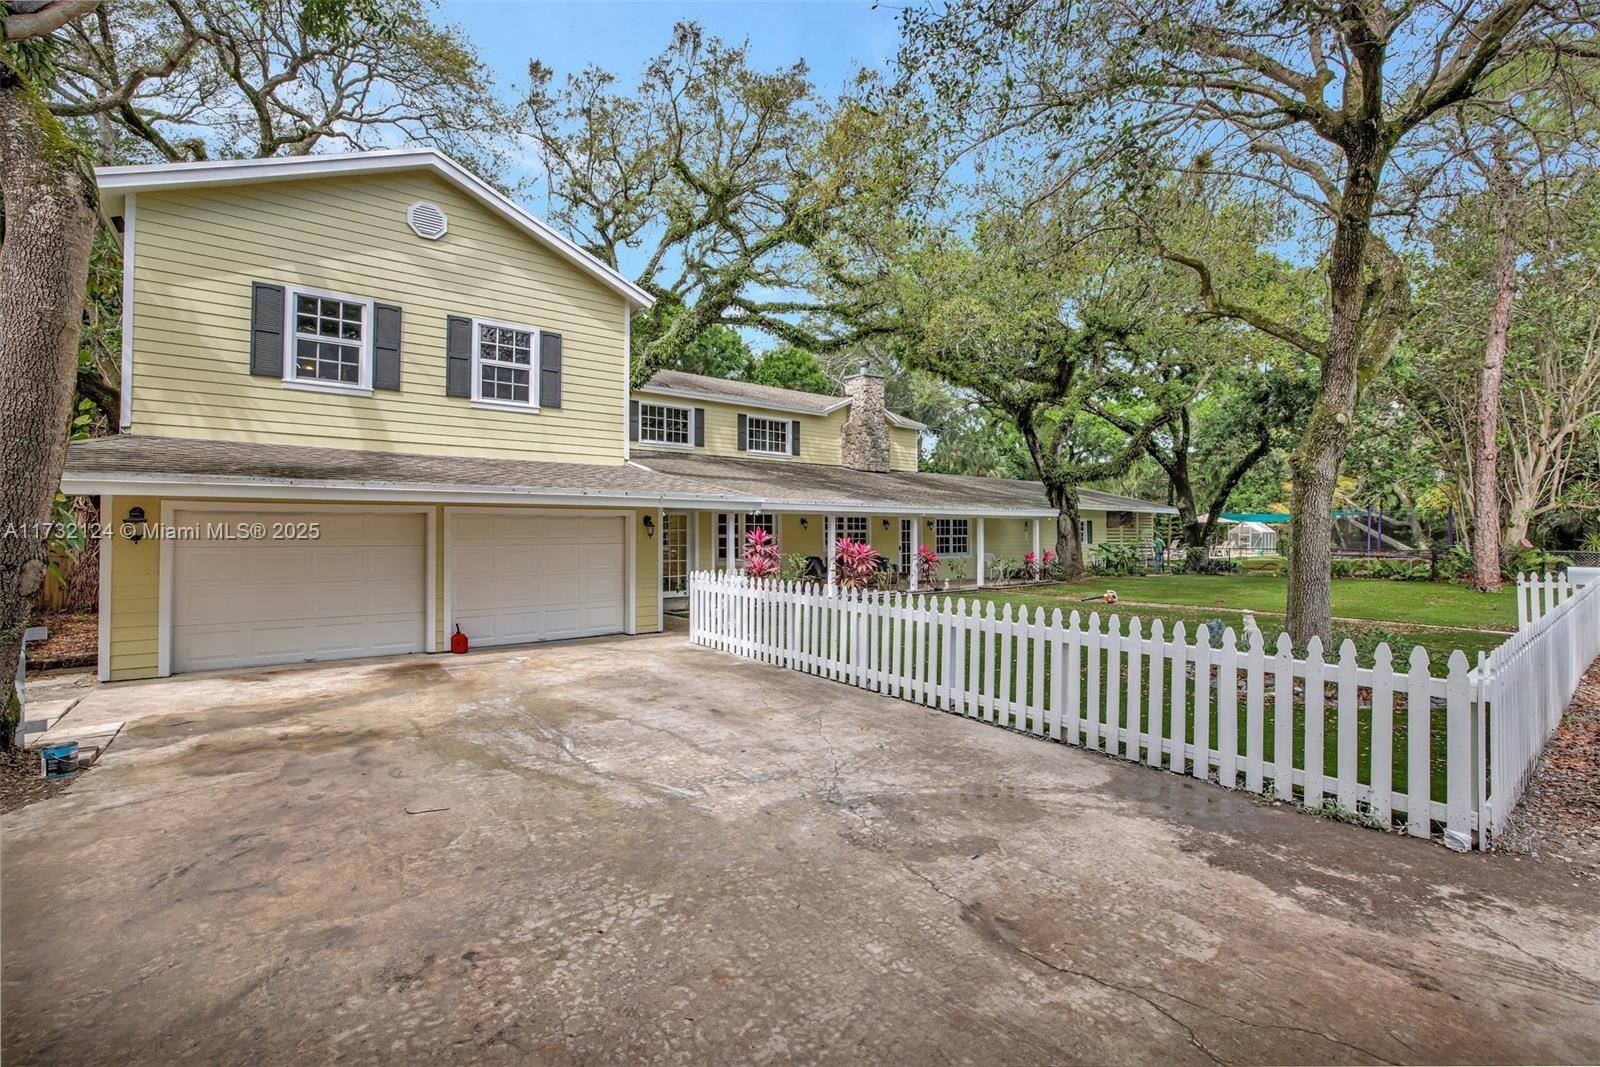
column 707, row 540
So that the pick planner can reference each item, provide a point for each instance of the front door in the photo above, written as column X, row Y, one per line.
column 675, row 553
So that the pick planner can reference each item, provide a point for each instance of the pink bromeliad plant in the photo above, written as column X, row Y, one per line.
column 1030, row 567
column 927, row 564
column 761, row 555
column 856, row 562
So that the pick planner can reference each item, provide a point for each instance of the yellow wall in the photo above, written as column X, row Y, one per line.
column 819, row 434
column 136, row 598
column 197, row 251
column 904, row 454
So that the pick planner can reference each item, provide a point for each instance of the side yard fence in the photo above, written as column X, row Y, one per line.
column 1390, row 744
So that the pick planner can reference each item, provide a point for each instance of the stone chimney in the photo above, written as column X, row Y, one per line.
column 864, row 440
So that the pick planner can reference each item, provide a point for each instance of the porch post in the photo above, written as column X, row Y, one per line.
column 979, row 568
column 827, row 546
column 916, row 544
column 1038, row 560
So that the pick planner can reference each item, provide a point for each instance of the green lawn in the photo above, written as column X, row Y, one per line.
column 1403, row 613
column 1372, row 599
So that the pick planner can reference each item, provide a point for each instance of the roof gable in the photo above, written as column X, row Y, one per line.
column 116, row 182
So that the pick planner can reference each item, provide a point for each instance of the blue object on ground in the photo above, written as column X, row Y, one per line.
column 58, row 761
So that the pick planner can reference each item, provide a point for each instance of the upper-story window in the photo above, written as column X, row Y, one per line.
column 951, row 537
column 504, row 372
column 331, row 342
column 769, row 436
column 665, row 424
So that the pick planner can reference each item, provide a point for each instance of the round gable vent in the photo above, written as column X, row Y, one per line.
column 428, row 220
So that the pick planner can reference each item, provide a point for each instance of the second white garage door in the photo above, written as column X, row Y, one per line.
column 521, row 578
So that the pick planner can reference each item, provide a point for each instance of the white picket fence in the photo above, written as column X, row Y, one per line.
column 1529, row 681
column 1539, row 594
column 1309, row 730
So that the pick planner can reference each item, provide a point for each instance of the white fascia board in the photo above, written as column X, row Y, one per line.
column 738, row 401
column 90, row 483
column 116, row 182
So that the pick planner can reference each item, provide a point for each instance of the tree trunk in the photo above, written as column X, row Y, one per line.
column 50, row 215
column 1069, row 546
column 1486, row 439
column 1315, row 463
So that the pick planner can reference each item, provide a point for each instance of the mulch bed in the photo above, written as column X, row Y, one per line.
column 1560, row 813
column 20, row 784
column 74, row 642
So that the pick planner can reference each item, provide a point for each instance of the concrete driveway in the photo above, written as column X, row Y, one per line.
column 634, row 850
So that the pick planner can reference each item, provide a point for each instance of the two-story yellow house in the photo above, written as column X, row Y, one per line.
column 368, row 401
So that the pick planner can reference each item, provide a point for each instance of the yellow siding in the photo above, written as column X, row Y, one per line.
column 819, row 434
column 197, row 251
column 903, row 449
column 136, row 584
column 135, row 594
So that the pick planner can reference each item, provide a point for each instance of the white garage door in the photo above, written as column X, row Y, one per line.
column 536, row 577
column 357, row 589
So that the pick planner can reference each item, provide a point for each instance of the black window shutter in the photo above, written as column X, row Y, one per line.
column 458, row 356
column 633, row 420
column 386, row 347
column 744, row 433
column 699, row 427
column 266, row 329
column 549, row 370
column 794, row 437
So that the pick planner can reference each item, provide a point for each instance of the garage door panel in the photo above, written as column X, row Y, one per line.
column 358, row 589
column 518, row 578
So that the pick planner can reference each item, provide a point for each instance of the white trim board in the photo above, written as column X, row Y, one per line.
column 125, row 401
column 117, row 182
column 90, row 482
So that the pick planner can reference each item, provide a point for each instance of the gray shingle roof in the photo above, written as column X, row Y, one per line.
column 660, row 476
column 677, row 381
column 748, row 392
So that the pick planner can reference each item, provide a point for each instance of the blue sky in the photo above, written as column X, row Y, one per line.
column 832, row 37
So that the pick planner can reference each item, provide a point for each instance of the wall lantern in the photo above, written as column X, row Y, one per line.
column 649, row 526
column 885, row 524
column 135, row 520
column 930, row 524
column 805, row 523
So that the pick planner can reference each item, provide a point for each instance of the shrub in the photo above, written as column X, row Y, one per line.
column 1051, row 566
column 760, row 554
column 1455, row 564
column 958, row 569
column 855, row 563
column 1117, row 561
column 795, row 567
column 1533, row 561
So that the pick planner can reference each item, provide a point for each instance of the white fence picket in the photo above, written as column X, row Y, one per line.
column 1065, row 680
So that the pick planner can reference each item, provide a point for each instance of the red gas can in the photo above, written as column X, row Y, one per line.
column 458, row 642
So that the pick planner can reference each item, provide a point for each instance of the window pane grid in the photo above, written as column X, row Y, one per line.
column 505, row 364
column 950, row 537
column 328, row 339
column 663, row 425
column 853, row 527
column 767, row 435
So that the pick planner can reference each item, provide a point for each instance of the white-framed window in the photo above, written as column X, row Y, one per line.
column 767, row 436
column 330, row 341
column 666, row 424
column 675, row 544
column 905, row 545
column 505, row 365
column 952, row 537
column 852, row 526
column 1086, row 531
